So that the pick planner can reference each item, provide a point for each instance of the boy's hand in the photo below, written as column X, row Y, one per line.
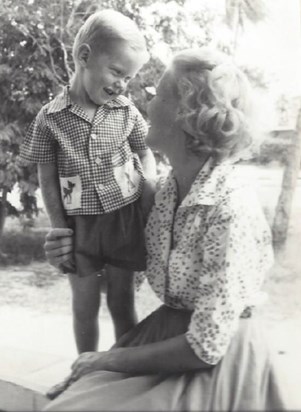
column 59, row 247
column 147, row 197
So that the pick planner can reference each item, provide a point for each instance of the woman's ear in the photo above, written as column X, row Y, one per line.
column 83, row 54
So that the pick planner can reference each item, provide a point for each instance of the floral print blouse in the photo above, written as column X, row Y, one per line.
column 209, row 255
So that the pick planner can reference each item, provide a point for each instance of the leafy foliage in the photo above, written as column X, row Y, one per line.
column 32, row 67
column 241, row 12
column 36, row 39
column 249, row 10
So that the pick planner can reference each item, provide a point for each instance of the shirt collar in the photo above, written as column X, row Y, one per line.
column 119, row 101
column 60, row 102
column 63, row 101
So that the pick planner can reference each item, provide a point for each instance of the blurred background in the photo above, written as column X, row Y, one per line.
column 262, row 37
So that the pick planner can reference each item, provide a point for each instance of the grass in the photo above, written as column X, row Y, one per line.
column 22, row 247
column 22, row 244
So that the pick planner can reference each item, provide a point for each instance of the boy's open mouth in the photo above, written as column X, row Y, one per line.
column 109, row 91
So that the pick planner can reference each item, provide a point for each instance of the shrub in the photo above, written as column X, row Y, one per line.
column 275, row 147
column 22, row 247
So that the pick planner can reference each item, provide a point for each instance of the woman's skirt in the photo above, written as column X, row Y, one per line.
column 244, row 380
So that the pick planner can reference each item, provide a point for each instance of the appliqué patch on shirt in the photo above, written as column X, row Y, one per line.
column 127, row 178
column 71, row 192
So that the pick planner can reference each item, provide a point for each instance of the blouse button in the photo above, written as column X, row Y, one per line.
column 93, row 136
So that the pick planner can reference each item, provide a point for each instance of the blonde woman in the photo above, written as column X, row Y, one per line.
column 209, row 249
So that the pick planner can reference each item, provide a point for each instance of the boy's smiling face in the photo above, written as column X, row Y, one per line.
column 106, row 75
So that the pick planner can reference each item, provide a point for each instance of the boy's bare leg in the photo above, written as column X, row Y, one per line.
column 120, row 299
column 85, row 305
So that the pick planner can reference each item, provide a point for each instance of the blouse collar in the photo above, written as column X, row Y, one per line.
column 206, row 188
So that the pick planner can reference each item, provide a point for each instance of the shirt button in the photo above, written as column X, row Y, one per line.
column 98, row 160
column 93, row 136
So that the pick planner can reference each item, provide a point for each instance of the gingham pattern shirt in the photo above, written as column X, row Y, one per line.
column 96, row 157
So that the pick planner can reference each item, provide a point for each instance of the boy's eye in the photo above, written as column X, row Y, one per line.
column 116, row 71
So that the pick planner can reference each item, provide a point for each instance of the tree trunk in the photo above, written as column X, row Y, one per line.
column 289, row 182
column 3, row 212
column 236, row 29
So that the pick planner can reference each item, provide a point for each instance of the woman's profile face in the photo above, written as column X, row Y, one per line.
column 162, row 112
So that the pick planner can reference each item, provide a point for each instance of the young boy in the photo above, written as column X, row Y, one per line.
column 93, row 166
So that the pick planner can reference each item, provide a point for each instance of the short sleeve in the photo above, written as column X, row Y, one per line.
column 139, row 132
column 39, row 144
column 237, row 253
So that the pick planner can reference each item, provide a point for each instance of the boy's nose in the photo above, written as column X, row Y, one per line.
column 121, row 84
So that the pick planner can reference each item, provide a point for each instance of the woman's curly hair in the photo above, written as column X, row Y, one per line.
column 215, row 102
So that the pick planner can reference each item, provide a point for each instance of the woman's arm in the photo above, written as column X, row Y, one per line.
column 50, row 188
column 172, row 355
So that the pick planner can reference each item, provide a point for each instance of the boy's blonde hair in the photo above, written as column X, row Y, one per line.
column 104, row 27
column 215, row 102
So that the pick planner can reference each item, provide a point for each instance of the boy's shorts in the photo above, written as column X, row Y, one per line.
column 115, row 238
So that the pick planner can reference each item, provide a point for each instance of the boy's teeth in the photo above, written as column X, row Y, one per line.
column 110, row 92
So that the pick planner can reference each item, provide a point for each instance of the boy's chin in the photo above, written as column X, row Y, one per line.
column 101, row 99
column 104, row 100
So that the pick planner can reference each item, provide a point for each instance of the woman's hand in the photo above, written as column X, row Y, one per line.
column 86, row 363
column 59, row 246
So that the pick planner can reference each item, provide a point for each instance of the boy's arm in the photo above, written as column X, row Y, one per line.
column 148, row 162
column 50, row 188
column 150, row 173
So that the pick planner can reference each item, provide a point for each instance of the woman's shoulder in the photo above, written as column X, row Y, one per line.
column 237, row 191
column 233, row 181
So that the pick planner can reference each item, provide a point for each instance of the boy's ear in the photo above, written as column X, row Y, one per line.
column 83, row 54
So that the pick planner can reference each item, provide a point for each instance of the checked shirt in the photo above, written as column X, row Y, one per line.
column 98, row 165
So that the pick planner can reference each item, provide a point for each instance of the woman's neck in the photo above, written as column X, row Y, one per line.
column 185, row 169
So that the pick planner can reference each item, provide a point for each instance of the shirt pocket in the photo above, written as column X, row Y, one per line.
column 71, row 192
column 125, row 175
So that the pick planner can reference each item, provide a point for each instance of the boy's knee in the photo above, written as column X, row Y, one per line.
column 84, row 312
column 120, row 306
